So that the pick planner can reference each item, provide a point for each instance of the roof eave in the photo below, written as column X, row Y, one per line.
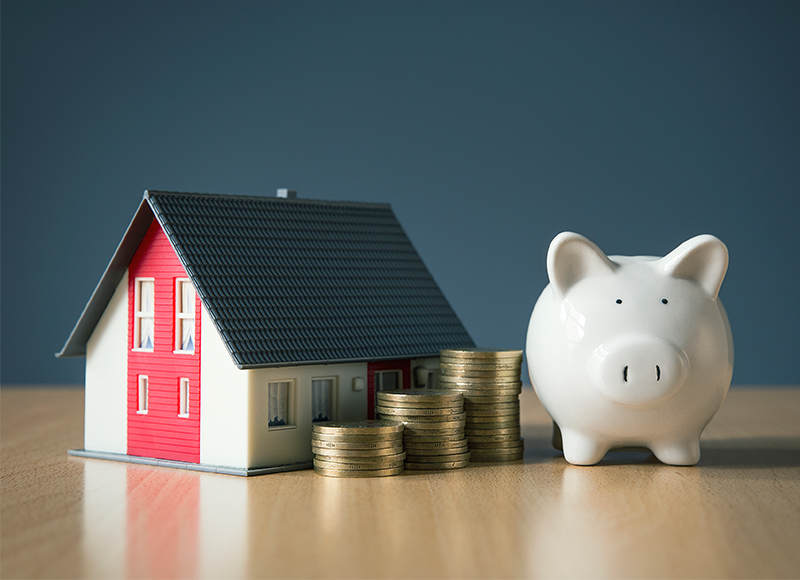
column 334, row 361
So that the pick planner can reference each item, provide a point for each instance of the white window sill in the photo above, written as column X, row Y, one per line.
column 189, row 352
column 282, row 427
column 183, row 416
column 142, row 349
column 141, row 412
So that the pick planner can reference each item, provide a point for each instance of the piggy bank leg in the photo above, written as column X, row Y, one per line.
column 684, row 452
column 582, row 449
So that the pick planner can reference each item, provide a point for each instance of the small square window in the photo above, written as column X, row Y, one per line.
column 281, row 404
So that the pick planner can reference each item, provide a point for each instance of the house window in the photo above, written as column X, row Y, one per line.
column 142, row 395
column 281, row 404
column 183, row 398
column 184, row 316
column 387, row 381
column 144, row 314
column 322, row 399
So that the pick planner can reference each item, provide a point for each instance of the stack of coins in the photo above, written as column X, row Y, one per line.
column 358, row 448
column 433, row 437
column 490, row 382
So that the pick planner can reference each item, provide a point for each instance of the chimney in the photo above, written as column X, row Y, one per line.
column 287, row 193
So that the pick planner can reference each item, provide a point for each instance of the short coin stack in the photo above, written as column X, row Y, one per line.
column 358, row 448
column 433, row 437
column 490, row 382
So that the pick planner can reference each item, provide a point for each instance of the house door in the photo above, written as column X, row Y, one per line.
column 386, row 376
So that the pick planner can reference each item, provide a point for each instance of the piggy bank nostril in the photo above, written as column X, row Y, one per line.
column 625, row 374
column 658, row 373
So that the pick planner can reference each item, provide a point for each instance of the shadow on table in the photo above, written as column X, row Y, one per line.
column 752, row 452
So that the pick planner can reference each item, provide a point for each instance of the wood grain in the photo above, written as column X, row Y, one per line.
column 734, row 515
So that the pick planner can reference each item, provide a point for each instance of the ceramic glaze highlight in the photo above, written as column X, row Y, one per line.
column 631, row 351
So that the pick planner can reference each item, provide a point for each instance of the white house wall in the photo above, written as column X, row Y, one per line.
column 431, row 364
column 106, row 414
column 285, row 445
column 223, row 402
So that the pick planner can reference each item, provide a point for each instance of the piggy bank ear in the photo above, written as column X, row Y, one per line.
column 571, row 258
column 703, row 259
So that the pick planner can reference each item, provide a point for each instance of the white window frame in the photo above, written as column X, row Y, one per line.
column 181, row 316
column 334, row 396
column 139, row 315
column 290, row 419
column 142, row 394
column 183, row 398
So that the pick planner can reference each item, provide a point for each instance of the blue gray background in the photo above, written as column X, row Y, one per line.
column 488, row 126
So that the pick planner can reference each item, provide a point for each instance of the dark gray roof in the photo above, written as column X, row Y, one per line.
column 294, row 281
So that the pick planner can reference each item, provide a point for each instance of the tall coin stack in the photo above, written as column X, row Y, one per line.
column 358, row 448
column 433, row 437
column 490, row 381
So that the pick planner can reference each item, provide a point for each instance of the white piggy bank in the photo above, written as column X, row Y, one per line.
column 631, row 351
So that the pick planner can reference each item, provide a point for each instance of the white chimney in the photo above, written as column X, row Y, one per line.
column 287, row 193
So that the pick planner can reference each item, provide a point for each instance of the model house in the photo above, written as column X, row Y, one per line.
column 225, row 326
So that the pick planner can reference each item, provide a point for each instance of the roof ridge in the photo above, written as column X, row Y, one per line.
column 266, row 199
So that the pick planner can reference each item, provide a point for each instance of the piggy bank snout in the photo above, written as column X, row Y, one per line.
column 639, row 370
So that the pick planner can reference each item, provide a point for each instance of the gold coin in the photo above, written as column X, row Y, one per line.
column 452, row 435
column 463, row 456
column 368, row 427
column 355, row 466
column 410, row 452
column 493, row 413
column 421, row 395
column 469, row 365
column 496, row 456
column 424, row 404
column 510, row 444
column 446, row 380
column 514, row 404
column 357, row 452
column 491, row 438
column 444, row 421
column 480, row 353
column 358, row 445
column 489, row 399
column 416, row 445
column 470, row 392
column 507, row 376
column 426, row 412
column 436, row 465
column 363, row 439
column 364, row 473
column 373, row 461
column 424, row 423
column 494, row 426
column 480, row 431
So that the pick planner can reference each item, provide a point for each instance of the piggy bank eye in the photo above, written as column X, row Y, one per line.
column 664, row 301
column 619, row 300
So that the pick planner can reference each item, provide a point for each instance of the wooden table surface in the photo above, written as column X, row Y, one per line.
column 734, row 515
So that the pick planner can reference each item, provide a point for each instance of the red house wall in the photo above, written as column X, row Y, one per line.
column 161, row 433
column 388, row 365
